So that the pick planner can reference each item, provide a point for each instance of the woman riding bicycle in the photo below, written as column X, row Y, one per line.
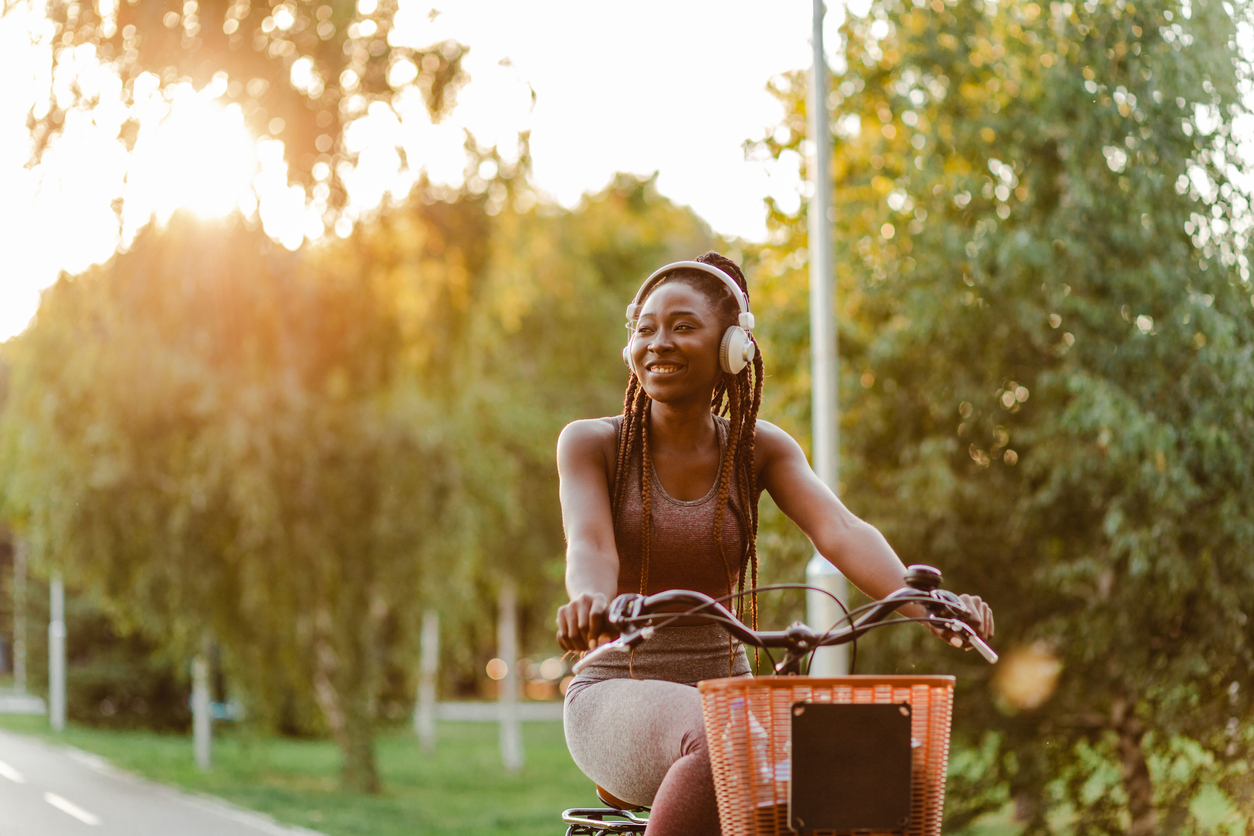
column 665, row 496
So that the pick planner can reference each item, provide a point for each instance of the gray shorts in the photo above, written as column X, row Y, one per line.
column 628, row 719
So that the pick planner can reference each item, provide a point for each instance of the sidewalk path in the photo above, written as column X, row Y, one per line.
column 51, row 790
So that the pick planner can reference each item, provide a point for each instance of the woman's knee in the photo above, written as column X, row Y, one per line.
column 626, row 734
column 693, row 740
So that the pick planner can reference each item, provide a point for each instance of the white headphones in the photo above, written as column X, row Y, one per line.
column 737, row 348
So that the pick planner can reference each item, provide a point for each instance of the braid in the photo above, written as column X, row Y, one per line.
column 743, row 399
column 735, row 430
column 724, row 488
column 749, row 485
column 626, row 437
column 646, row 497
column 717, row 404
column 635, row 427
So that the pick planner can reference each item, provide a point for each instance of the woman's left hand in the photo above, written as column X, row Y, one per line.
column 981, row 621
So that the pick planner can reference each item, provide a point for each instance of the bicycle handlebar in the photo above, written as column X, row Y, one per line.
column 944, row 608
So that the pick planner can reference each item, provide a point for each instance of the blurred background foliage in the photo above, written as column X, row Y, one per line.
column 1045, row 322
column 295, row 453
column 120, row 681
column 301, row 72
column 1045, row 337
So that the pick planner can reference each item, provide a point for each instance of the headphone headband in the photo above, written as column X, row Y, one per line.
column 633, row 310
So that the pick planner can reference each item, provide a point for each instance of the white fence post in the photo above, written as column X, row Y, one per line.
column 507, row 641
column 19, row 616
column 202, row 722
column 428, row 670
column 56, row 654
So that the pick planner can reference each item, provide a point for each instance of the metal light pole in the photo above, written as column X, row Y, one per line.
column 825, row 427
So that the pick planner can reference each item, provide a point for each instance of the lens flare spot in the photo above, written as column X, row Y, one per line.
column 1027, row 677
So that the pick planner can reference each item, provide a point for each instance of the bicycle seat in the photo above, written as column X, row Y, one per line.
column 612, row 800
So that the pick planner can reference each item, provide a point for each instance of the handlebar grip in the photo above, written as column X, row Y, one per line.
column 987, row 652
column 972, row 638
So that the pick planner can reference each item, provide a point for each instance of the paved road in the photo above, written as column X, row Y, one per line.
column 49, row 790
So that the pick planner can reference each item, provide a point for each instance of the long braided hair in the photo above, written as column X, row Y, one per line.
column 736, row 397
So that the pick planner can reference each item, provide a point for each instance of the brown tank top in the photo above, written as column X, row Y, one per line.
column 684, row 553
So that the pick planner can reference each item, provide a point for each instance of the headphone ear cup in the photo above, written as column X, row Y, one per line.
column 631, row 341
column 735, row 351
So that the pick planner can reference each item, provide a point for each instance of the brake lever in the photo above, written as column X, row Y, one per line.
column 623, row 643
column 625, row 607
column 946, row 600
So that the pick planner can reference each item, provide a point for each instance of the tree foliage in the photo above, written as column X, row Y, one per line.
column 1045, row 335
column 213, row 440
column 301, row 71
column 297, row 452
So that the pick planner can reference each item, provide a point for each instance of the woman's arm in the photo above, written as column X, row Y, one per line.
column 591, row 553
column 853, row 546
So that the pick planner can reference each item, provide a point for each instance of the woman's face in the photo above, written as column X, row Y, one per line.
column 676, row 342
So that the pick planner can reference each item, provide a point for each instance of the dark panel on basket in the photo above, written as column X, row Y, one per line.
column 851, row 767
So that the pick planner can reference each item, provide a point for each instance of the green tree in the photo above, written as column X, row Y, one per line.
column 297, row 452
column 114, row 681
column 210, row 438
column 301, row 71
column 538, row 341
column 1045, row 319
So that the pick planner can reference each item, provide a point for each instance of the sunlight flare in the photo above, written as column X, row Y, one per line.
column 199, row 156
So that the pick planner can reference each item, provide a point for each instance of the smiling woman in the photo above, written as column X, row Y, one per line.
column 665, row 496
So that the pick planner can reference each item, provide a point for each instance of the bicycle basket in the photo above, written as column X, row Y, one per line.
column 748, row 725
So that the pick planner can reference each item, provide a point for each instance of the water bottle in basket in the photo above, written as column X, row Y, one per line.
column 745, row 735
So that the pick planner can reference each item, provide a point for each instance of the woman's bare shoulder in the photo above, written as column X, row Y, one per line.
column 772, row 443
column 588, row 436
column 772, row 436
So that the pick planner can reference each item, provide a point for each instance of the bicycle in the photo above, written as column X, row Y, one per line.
column 891, row 730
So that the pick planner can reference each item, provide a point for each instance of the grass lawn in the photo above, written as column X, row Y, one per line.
column 461, row 789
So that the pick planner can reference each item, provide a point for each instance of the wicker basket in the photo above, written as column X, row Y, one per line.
column 748, row 722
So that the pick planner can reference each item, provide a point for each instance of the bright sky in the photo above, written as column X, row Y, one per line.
column 673, row 86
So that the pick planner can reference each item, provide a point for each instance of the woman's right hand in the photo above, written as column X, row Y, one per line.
column 581, row 623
